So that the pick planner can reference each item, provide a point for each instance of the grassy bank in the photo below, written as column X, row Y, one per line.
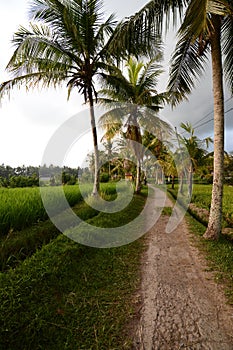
column 19, row 245
column 68, row 296
column 219, row 255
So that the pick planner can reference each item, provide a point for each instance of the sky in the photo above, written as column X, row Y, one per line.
column 29, row 119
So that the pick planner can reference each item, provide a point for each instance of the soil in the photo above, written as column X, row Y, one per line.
column 181, row 305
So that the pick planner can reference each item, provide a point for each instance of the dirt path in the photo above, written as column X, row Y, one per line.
column 182, row 306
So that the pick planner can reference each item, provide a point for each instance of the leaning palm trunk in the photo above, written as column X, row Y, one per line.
column 214, row 226
column 95, row 142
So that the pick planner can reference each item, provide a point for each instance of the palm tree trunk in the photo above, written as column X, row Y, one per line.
column 190, row 182
column 173, row 182
column 214, row 226
column 181, row 184
column 138, row 175
column 96, row 184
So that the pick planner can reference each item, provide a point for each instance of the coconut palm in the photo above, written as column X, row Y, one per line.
column 133, row 103
column 207, row 25
column 196, row 148
column 67, row 42
column 64, row 43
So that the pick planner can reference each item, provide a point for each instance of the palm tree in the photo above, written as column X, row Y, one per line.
column 207, row 24
column 68, row 42
column 158, row 148
column 65, row 43
column 133, row 102
column 196, row 149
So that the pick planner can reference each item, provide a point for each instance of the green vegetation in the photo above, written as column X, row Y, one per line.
column 68, row 296
column 219, row 255
column 201, row 197
column 22, row 207
column 19, row 245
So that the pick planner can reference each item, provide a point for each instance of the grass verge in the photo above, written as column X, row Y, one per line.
column 219, row 255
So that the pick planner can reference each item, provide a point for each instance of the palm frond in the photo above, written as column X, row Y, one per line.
column 220, row 7
column 36, row 46
column 134, row 69
column 186, row 66
column 137, row 35
column 31, row 81
column 106, row 28
column 187, row 127
column 227, row 39
column 195, row 25
column 117, row 86
column 114, row 116
column 78, row 23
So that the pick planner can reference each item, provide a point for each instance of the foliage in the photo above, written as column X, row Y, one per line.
column 68, row 179
column 69, row 42
column 196, row 147
column 71, row 296
column 104, row 177
column 207, row 25
column 29, row 176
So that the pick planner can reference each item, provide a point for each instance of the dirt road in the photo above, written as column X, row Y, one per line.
column 182, row 307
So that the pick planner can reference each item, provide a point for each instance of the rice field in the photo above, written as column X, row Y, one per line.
column 202, row 198
column 22, row 207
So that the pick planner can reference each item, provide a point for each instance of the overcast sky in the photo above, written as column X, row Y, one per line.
column 28, row 120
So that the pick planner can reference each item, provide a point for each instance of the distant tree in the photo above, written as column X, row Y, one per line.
column 132, row 100
column 197, row 150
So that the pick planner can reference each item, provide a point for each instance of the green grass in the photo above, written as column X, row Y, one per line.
column 68, row 296
column 201, row 197
column 219, row 255
column 18, row 245
column 22, row 207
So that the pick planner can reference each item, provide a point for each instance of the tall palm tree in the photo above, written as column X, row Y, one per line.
column 67, row 42
column 133, row 102
column 207, row 24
